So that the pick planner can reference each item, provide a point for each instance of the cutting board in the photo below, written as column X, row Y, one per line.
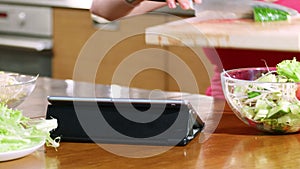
column 228, row 33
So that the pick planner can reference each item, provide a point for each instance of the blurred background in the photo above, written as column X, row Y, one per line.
column 45, row 37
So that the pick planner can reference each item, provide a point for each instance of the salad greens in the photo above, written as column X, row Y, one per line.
column 290, row 69
column 19, row 132
column 267, row 14
column 272, row 107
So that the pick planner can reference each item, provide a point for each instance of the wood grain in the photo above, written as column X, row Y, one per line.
column 71, row 29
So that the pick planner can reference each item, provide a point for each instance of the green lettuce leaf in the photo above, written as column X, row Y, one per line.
column 19, row 132
column 289, row 69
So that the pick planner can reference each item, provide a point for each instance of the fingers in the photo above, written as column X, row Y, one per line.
column 198, row 1
column 184, row 4
column 171, row 4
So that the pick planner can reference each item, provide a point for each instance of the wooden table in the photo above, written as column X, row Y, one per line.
column 225, row 143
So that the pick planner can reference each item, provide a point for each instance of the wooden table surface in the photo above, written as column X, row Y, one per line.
column 226, row 142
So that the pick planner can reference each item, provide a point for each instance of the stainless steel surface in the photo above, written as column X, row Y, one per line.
column 35, row 43
column 28, row 20
column 81, row 4
column 26, row 39
column 176, row 11
column 223, row 9
column 191, row 2
column 26, row 26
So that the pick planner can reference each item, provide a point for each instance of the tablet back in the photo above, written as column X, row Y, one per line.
column 124, row 121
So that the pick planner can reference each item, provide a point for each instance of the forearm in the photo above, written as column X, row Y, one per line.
column 114, row 9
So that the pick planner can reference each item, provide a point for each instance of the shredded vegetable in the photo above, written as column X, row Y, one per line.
column 14, row 88
column 271, row 106
column 20, row 132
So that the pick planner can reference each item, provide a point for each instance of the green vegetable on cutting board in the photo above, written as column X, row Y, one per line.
column 267, row 14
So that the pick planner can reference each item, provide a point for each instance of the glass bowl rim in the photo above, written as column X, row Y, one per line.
column 224, row 74
column 32, row 80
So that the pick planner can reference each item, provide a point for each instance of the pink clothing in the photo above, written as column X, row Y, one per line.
column 295, row 4
column 238, row 58
column 215, row 88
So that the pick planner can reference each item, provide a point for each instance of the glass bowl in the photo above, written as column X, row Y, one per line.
column 267, row 106
column 15, row 88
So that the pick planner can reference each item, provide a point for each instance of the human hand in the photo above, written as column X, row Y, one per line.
column 184, row 4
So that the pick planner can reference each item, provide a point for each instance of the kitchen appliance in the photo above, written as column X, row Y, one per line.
column 26, row 39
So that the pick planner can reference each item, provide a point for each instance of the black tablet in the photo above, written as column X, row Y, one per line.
column 124, row 120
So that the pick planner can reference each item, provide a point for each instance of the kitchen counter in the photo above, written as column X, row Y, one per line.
column 226, row 142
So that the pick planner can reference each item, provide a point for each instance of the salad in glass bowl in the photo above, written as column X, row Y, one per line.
column 265, row 98
column 15, row 88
